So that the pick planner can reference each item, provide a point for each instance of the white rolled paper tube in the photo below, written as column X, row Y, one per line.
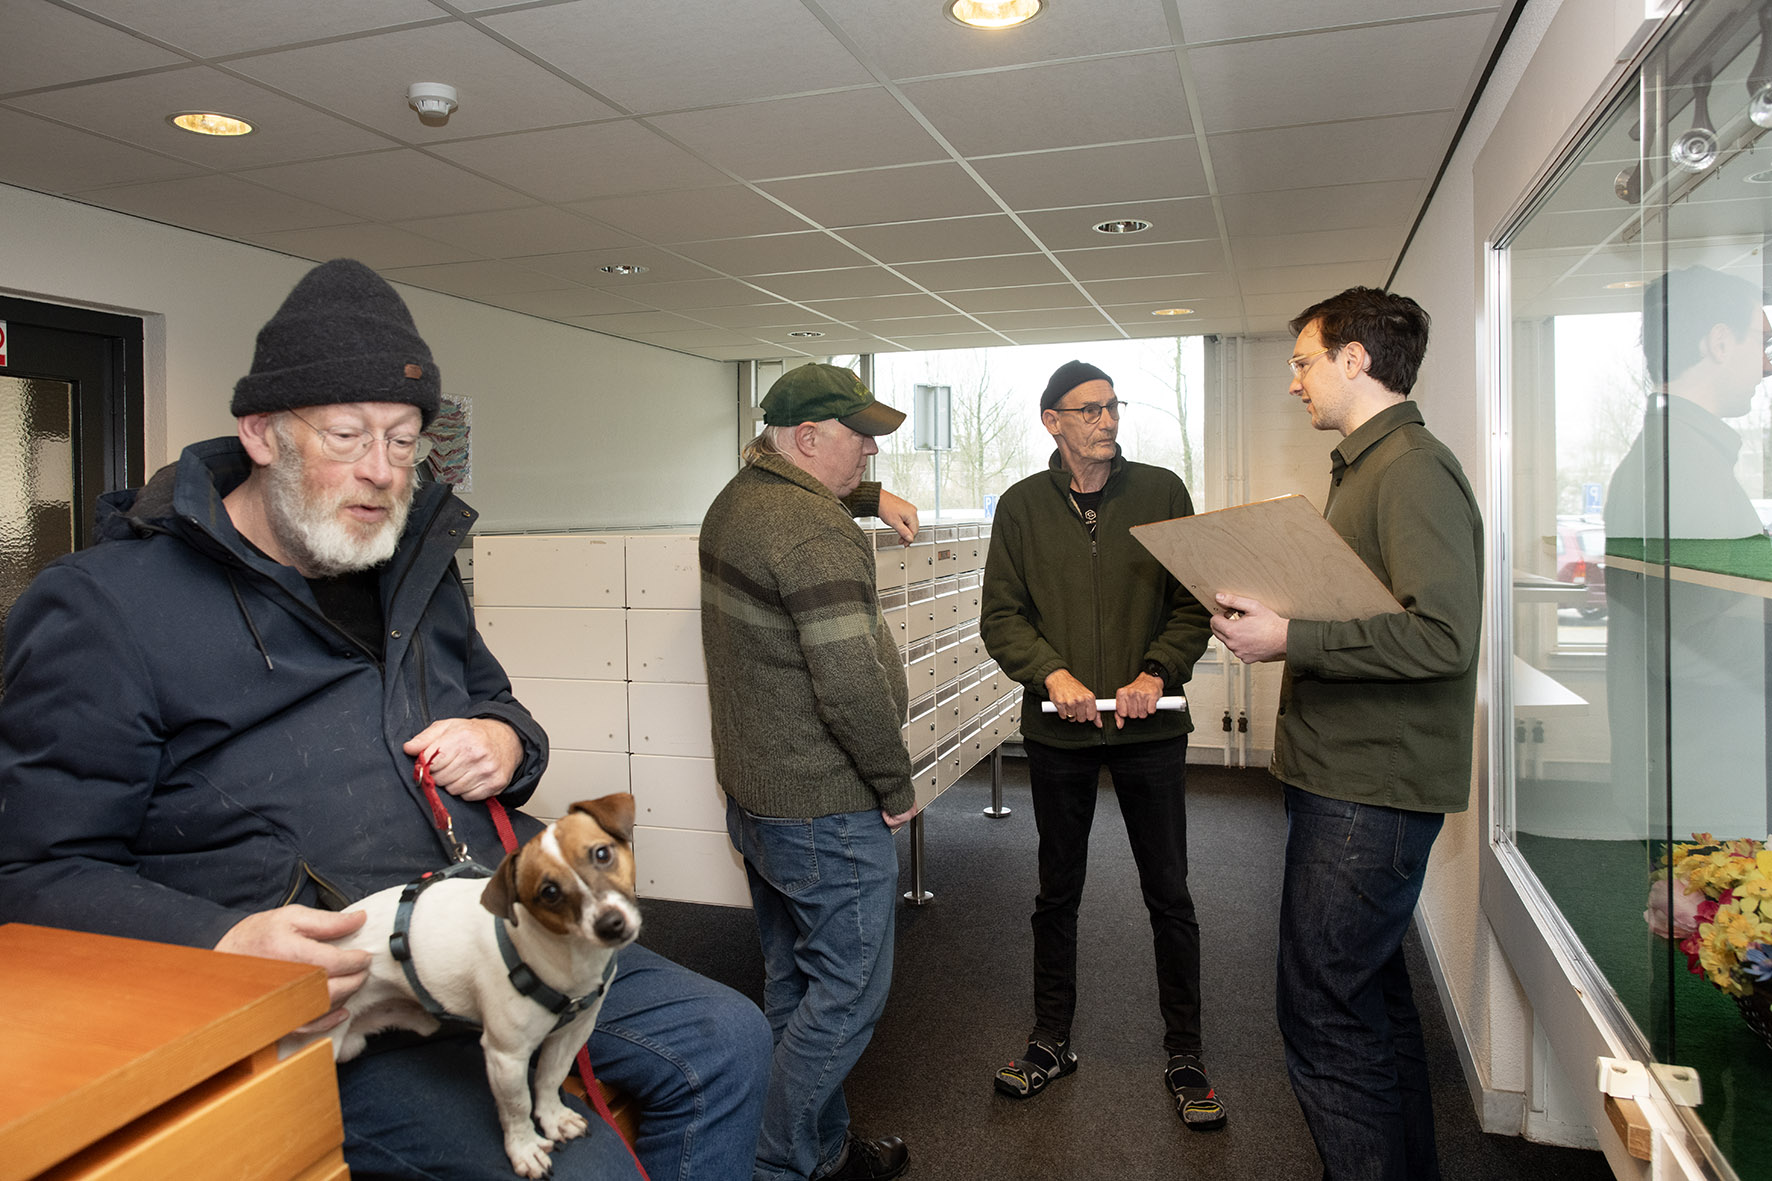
column 1106, row 704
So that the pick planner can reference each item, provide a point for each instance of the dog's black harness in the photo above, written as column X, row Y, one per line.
column 522, row 977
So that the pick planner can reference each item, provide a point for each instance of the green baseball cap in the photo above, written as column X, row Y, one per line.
column 813, row 393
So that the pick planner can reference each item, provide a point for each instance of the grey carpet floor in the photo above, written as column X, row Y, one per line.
column 961, row 1005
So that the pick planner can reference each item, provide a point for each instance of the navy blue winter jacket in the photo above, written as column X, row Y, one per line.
column 185, row 738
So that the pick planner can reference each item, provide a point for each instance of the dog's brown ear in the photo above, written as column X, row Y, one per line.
column 500, row 894
column 614, row 812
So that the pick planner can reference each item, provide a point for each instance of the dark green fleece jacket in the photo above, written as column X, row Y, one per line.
column 1055, row 597
column 806, row 687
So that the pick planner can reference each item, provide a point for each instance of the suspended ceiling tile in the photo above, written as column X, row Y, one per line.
column 508, row 233
column 1017, row 299
column 1403, row 147
column 1065, row 335
column 624, row 323
column 880, row 307
column 215, row 205
column 1331, row 207
column 689, row 215
column 1213, row 20
column 50, row 159
column 973, row 273
column 42, row 45
column 1014, row 322
column 913, row 193
column 1324, row 280
column 211, row 28
column 768, row 255
column 580, row 163
column 1426, row 66
column 1167, row 290
column 567, row 303
column 924, row 241
column 671, row 54
column 762, row 315
column 745, row 352
column 377, row 246
column 911, row 41
column 695, row 295
column 1071, row 104
column 1186, row 219
column 1282, row 305
column 480, row 279
column 895, row 326
column 694, row 340
column 1076, row 177
column 386, row 186
column 585, row 266
column 1325, row 246
column 1141, row 315
column 807, row 135
column 134, row 110
column 847, row 282
column 365, row 80
column 1131, row 262
column 952, row 340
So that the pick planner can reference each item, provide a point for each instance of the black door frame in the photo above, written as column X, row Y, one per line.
column 100, row 355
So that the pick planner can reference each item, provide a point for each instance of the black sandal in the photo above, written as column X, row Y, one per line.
column 1195, row 1099
column 1040, row 1063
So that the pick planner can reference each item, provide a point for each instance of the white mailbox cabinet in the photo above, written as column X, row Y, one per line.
column 601, row 635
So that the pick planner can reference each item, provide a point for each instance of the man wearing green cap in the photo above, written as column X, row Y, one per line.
column 808, row 696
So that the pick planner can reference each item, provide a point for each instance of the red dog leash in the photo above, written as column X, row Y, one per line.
column 507, row 836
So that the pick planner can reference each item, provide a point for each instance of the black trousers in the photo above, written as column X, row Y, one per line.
column 1150, row 781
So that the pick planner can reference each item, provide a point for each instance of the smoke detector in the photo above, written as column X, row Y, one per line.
column 434, row 101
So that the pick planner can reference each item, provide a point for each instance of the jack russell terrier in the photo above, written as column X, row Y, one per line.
column 533, row 976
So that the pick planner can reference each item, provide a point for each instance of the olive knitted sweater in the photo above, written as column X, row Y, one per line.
column 805, row 684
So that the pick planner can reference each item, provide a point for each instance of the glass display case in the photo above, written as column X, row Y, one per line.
column 1638, row 560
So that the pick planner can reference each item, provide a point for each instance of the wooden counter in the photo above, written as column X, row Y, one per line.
column 126, row 1059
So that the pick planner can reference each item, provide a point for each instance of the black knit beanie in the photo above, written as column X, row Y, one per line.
column 1068, row 377
column 343, row 335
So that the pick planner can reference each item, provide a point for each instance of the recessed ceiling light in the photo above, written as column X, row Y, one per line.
column 1173, row 312
column 209, row 123
column 623, row 268
column 806, row 335
column 992, row 14
column 1759, row 178
column 1627, row 284
column 1129, row 225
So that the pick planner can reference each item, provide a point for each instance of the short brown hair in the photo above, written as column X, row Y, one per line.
column 1392, row 329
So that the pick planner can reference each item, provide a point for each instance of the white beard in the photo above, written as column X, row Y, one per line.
column 317, row 540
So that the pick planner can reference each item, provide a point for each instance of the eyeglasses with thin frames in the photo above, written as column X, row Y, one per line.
column 349, row 445
column 1298, row 365
column 1091, row 411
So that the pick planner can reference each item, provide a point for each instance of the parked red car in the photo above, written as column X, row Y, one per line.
column 1581, row 559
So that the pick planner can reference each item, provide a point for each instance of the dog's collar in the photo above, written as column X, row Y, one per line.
column 525, row 981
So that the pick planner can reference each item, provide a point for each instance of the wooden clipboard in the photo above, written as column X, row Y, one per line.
column 1280, row 551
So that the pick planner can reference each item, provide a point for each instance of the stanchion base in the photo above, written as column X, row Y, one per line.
column 916, row 898
column 996, row 811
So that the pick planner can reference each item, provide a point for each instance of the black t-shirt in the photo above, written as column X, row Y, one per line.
column 1089, row 504
column 352, row 601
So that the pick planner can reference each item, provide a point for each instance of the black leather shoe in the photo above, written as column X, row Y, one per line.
column 871, row 1160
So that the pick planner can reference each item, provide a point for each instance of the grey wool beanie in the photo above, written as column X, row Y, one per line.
column 343, row 335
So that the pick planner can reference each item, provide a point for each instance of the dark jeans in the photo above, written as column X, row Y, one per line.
column 1150, row 780
column 1353, row 1038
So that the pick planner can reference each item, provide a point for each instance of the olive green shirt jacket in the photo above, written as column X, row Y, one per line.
column 1055, row 597
column 1381, row 710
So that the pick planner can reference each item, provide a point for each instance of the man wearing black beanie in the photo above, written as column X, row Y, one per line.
column 1076, row 609
column 215, row 717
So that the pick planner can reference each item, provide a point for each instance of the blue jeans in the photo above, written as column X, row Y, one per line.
column 1353, row 1038
column 825, row 892
column 1150, row 781
column 694, row 1055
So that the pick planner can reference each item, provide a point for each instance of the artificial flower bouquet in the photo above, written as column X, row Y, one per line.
column 1719, row 910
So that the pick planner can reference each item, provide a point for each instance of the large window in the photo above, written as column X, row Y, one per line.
column 994, row 437
column 1641, row 572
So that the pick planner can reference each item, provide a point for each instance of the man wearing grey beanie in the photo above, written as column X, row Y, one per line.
column 215, row 718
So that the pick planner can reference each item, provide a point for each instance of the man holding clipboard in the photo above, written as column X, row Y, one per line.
column 1373, row 740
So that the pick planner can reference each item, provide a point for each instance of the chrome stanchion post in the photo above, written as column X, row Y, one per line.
column 917, row 895
column 996, row 811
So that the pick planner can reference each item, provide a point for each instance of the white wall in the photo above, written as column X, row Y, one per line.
column 1560, row 55
column 571, row 428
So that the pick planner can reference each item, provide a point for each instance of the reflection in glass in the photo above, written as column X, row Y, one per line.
column 36, row 481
